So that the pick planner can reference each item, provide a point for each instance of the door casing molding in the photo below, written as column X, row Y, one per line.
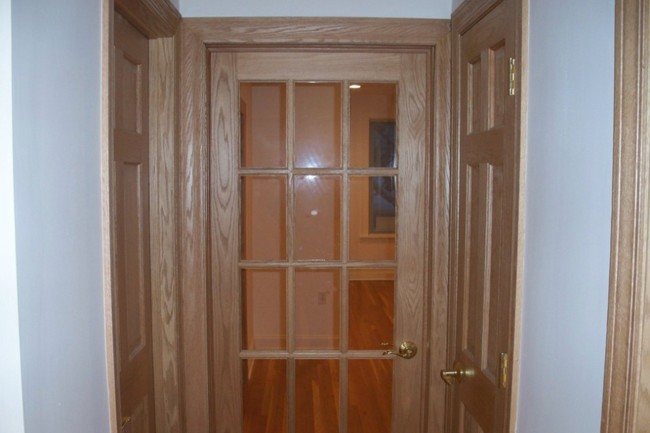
column 626, row 395
column 199, row 35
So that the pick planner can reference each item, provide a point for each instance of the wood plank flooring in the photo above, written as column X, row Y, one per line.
column 318, row 389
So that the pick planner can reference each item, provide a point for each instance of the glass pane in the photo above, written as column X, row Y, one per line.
column 373, row 138
column 370, row 395
column 262, row 113
column 372, row 217
column 317, row 217
column 264, row 309
column 265, row 395
column 264, row 214
column 317, row 396
column 317, row 309
column 318, row 125
column 372, row 307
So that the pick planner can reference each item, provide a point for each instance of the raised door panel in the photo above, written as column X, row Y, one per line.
column 486, row 189
column 130, row 156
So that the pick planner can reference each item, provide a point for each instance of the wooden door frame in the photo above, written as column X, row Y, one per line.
column 626, row 395
column 196, row 36
column 465, row 16
column 158, row 20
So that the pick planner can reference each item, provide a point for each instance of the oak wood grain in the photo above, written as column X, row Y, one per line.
column 486, row 212
column 131, row 257
column 318, row 66
column 439, row 228
column 164, row 254
column 193, row 274
column 106, row 140
column 154, row 18
column 319, row 31
column 627, row 364
column 224, row 242
column 194, row 39
column 412, row 236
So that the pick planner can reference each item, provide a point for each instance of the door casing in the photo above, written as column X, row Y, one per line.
column 195, row 268
column 626, row 394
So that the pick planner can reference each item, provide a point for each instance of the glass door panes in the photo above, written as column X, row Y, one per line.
column 318, row 176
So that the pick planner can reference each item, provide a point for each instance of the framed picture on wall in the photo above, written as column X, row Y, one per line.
column 382, row 189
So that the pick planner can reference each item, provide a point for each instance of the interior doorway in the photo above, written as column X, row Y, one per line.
column 284, row 311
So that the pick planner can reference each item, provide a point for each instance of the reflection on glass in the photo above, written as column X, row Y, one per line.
column 264, row 309
column 382, row 204
column 372, row 307
column 372, row 217
column 317, row 217
column 373, row 137
column 317, row 125
column 262, row 112
column 265, row 395
column 317, row 396
column 370, row 394
column 264, row 214
column 317, row 309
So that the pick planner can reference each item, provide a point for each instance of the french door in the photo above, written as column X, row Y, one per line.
column 318, row 240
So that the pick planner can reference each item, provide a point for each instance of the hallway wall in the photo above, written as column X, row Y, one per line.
column 56, row 110
column 11, row 401
column 56, row 152
column 331, row 8
column 568, row 215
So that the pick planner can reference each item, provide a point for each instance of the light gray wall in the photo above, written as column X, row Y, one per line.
column 568, row 215
column 56, row 103
column 338, row 8
column 11, row 393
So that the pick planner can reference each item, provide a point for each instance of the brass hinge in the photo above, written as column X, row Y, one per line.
column 503, row 371
column 512, row 74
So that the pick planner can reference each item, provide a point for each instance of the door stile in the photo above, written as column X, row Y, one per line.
column 345, row 233
column 411, row 275
column 291, row 290
column 193, row 232
column 224, row 244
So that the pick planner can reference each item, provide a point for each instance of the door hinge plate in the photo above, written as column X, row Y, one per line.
column 503, row 371
column 512, row 74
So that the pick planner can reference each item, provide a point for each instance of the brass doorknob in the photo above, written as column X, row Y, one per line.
column 125, row 423
column 406, row 350
column 457, row 375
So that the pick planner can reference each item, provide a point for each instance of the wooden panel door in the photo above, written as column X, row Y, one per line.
column 485, row 215
column 132, row 273
column 275, row 268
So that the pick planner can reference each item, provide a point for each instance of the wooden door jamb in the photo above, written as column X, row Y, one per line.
column 626, row 395
column 197, row 35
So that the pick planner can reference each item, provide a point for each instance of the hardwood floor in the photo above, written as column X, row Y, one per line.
column 318, row 389
column 265, row 396
column 372, row 304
